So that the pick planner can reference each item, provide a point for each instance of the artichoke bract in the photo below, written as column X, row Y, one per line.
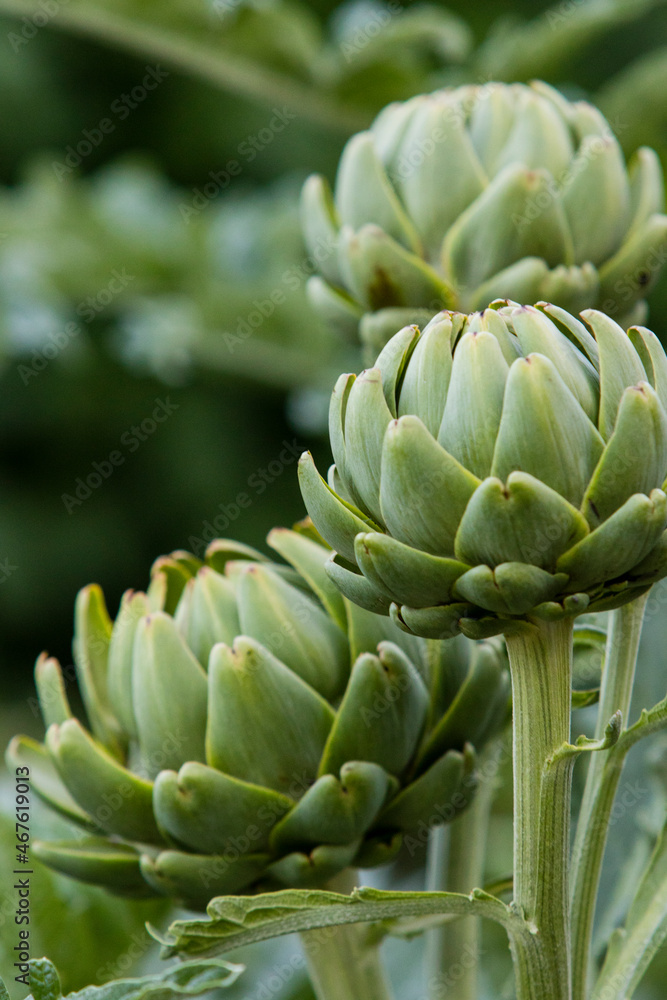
column 250, row 728
column 459, row 197
column 496, row 467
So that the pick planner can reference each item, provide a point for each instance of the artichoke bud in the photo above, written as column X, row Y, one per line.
column 524, row 474
column 472, row 193
column 270, row 732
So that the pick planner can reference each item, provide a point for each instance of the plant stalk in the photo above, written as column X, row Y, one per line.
column 541, row 666
column 456, row 863
column 344, row 960
column 598, row 798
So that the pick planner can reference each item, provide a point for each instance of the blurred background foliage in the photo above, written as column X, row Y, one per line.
column 151, row 157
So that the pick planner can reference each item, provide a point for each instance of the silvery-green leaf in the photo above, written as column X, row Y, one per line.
column 474, row 402
column 424, row 490
column 544, row 431
column 253, row 692
column 635, row 459
column 523, row 521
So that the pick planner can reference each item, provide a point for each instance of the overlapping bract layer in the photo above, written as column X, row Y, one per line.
column 465, row 195
column 496, row 466
column 249, row 727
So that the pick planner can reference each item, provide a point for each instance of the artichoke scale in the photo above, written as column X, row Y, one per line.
column 209, row 812
column 118, row 800
column 381, row 716
column 423, row 489
column 169, row 691
column 265, row 725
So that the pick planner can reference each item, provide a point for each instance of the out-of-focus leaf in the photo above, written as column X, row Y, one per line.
column 183, row 278
column 641, row 85
column 274, row 52
column 516, row 51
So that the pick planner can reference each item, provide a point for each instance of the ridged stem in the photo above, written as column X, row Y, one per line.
column 598, row 799
column 541, row 666
column 456, row 863
column 344, row 960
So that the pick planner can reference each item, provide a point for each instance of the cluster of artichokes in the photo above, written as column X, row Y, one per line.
column 250, row 727
column 498, row 466
column 459, row 197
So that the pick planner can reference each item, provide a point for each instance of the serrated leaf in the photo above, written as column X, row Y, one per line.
column 239, row 920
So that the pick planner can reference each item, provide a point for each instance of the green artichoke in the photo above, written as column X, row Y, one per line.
column 497, row 467
column 466, row 195
column 250, row 728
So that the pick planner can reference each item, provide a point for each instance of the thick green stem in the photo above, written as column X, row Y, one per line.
column 599, row 793
column 344, row 961
column 456, row 863
column 541, row 666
